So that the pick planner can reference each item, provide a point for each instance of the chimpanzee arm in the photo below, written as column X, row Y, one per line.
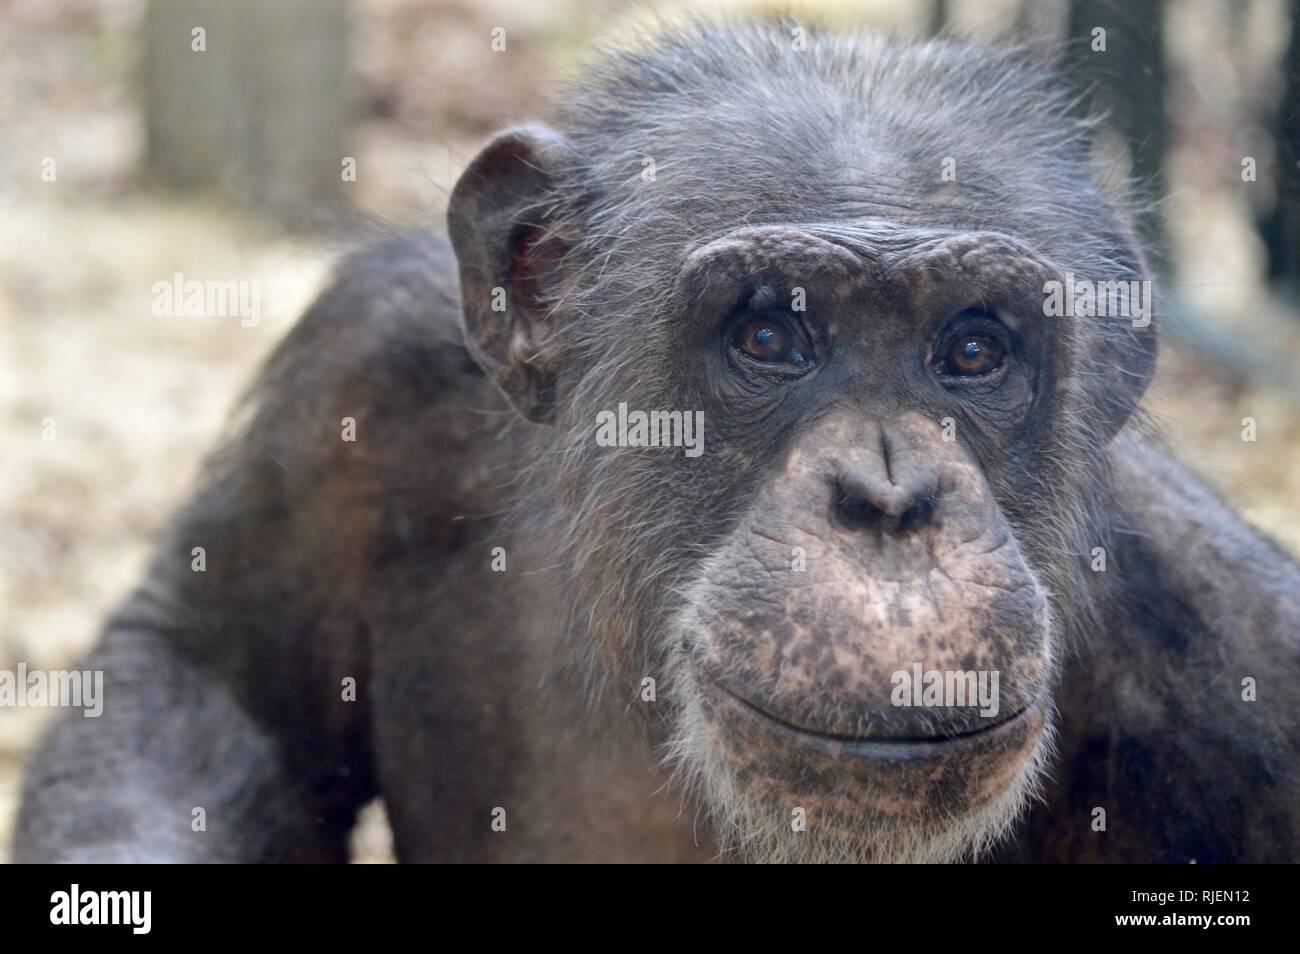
column 174, row 770
column 237, row 677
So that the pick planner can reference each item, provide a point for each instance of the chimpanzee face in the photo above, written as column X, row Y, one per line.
column 866, row 649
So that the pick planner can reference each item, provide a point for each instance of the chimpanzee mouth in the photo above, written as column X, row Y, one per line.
column 738, row 710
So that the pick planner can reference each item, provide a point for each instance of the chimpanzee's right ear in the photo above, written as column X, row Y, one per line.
column 510, row 258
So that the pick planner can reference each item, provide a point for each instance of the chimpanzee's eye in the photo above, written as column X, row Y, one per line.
column 772, row 341
column 973, row 353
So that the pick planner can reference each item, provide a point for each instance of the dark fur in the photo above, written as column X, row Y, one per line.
column 479, row 689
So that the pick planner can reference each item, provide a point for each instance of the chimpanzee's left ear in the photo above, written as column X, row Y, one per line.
column 510, row 258
column 1120, row 359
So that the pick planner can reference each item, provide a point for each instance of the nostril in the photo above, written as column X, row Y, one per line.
column 884, row 508
column 859, row 513
column 919, row 514
column 892, row 490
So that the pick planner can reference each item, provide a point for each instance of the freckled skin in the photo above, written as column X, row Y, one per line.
column 682, row 651
column 819, row 646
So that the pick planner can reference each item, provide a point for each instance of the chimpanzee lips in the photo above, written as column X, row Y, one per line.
column 865, row 746
column 852, row 781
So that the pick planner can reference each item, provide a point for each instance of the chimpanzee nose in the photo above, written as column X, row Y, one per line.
column 892, row 488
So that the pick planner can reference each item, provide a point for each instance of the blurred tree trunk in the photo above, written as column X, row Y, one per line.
column 1040, row 21
column 1127, row 80
column 1280, row 228
column 248, row 97
column 936, row 17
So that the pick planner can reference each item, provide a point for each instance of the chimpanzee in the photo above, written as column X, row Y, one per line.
column 729, row 487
